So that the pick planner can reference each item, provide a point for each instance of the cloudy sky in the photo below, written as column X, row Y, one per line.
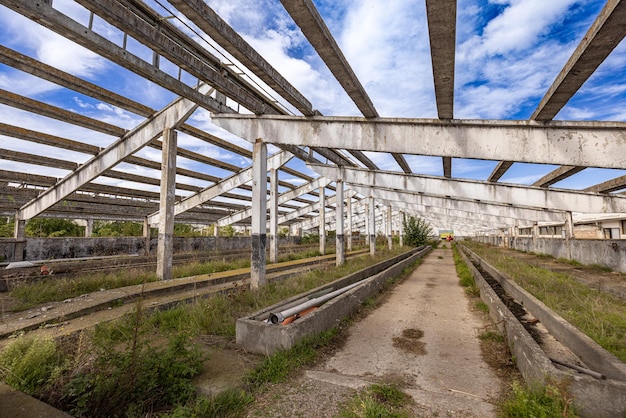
column 508, row 54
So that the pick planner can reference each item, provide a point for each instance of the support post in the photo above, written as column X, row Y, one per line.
column 259, row 214
column 165, row 245
column 372, row 225
column 349, row 221
column 340, row 255
column 273, row 215
column 322, row 223
column 535, row 236
column 389, row 233
column 569, row 233
column 402, row 220
column 146, row 236
column 20, row 239
column 89, row 228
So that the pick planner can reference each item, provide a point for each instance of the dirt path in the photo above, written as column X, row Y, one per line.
column 422, row 338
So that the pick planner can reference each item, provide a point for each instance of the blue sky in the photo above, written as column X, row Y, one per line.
column 508, row 54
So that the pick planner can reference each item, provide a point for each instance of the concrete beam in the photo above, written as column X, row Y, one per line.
column 557, row 175
column 590, row 144
column 171, row 116
column 283, row 198
column 312, row 25
column 499, row 171
column 229, row 183
column 608, row 186
column 603, row 36
column 43, row 13
column 441, row 16
column 468, row 189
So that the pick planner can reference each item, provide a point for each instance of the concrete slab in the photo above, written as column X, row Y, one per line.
column 424, row 337
column 15, row 404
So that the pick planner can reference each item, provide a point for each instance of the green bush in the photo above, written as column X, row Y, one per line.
column 30, row 364
column 416, row 231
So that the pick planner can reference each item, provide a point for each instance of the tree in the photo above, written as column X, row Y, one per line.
column 52, row 227
column 416, row 231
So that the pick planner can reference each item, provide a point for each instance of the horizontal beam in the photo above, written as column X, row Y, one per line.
column 515, row 195
column 589, row 144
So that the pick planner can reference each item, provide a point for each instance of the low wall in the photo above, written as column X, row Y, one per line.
column 603, row 252
column 57, row 248
column 256, row 335
column 594, row 397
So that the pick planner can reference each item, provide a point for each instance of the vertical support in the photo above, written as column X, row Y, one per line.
column 535, row 236
column 389, row 231
column 402, row 221
column 340, row 255
column 259, row 214
column 146, row 236
column 569, row 233
column 216, row 230
column 349, row 221
column 20, row 239
column 89, row 228
column 372, row 225
column 165, row 245
column 273, row 215
column 322, row 223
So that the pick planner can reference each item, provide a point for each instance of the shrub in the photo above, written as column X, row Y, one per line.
column 416, row 231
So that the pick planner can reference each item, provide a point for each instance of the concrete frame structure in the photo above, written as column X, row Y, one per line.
column 241, row 196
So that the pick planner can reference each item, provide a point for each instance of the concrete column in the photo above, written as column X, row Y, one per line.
column 535, row 236
column 322, row 223
column 273, row 215
column 146, row 235
column 340, row 255
column 569, row 233
column 20, row 239
column 89, row 228
column 216, row 230
column 372, row 225
column 349, row 221
column 389, row 230
column 401, row 220
column 259, row 214
column 165, row 245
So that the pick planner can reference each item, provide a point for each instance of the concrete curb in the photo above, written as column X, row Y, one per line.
column 593, row 397
column 257, row 336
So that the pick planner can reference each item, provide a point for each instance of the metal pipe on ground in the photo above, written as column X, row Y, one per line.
column 277, row 318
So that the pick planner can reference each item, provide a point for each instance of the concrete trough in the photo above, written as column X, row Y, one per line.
column 593, row 397
column 256, row 335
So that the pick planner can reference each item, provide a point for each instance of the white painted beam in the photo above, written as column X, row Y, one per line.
column 589, row 144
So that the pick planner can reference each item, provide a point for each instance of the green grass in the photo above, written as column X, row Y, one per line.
column 598, row 314
column 482, row 306
column 494, row 336
column 548, row 401
column 379, row 400
column 465, row 275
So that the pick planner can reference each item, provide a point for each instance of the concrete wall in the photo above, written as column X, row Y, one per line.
column 603, row 252
column 56, row 248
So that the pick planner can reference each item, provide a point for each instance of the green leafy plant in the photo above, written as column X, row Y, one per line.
column 549, row 401
column 379, row 400
column 416, row 231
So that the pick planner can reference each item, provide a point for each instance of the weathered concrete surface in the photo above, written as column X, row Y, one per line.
column 15, row 404
column 443, row 369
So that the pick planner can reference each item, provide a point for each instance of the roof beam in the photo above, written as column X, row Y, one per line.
column 591, row 144
column 558, row 175
column 609, row 186
column 171, row 116
column 206, row 19
column 306, row 16
column 603, row 36
column 485, row 192
column 43, row 13
column 499, row 171
column 441, row 16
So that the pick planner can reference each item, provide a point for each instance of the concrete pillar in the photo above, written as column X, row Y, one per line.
column 322, row 223
column 340, row 255
column 146, row 236
column 165, row 245
column 216, row 231
column 259, row 214
column 372, row 225
column 349, row 221
column 402, row 220
column 20, row 239
column 89, row 228
column 535, row 236
column 389, row 230
column 273, row 215
column 569, row 233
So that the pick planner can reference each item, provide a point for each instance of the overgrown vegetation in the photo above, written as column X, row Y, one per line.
column 466, row 279
column 416, row 231
column 548, row 401
column 142, row 365
column 598, row 314
column 379, row 400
